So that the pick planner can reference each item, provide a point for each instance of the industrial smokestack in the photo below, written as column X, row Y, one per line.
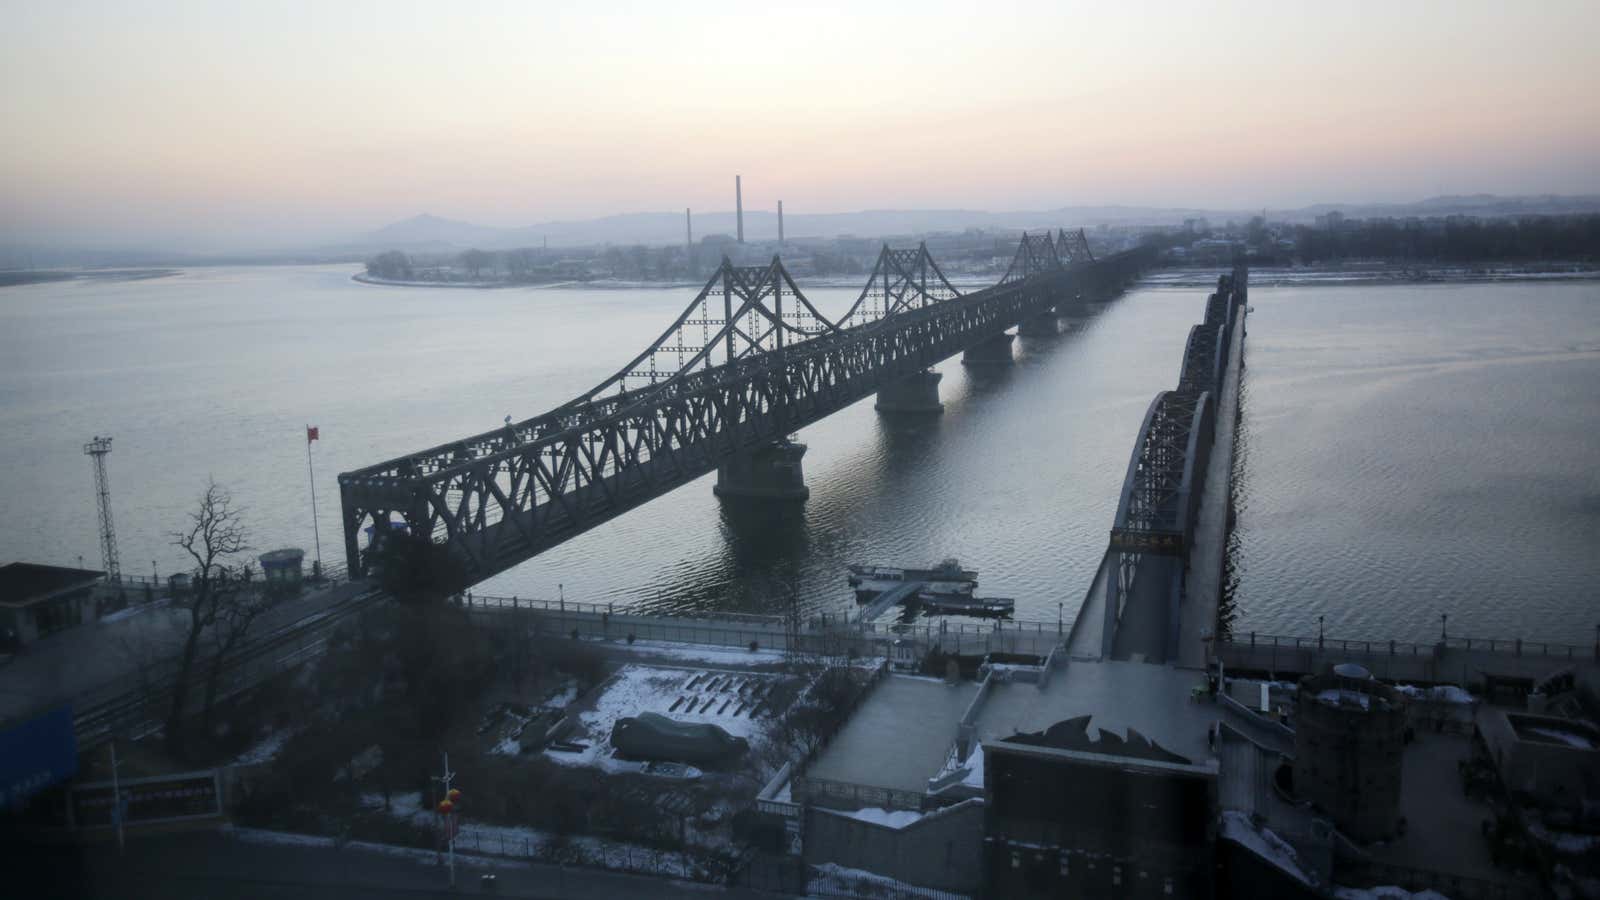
column 688, row 231
column 738, row 203
column 780, row 221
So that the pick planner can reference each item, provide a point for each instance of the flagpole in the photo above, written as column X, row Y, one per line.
column 315, row 532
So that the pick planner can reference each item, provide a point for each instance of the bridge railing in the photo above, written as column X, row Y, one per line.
column 560, row 605
column 1513, row 646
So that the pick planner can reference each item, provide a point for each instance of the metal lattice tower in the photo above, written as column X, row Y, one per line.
column 97, row 449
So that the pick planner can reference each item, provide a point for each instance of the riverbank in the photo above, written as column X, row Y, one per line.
column 617, row 284
column 17, row 277
column 1376, row 273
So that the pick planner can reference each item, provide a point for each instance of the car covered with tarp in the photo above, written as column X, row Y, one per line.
column 656, row 737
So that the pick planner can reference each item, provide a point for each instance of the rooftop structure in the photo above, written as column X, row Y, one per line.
column 36, row 600
column 1349, row 738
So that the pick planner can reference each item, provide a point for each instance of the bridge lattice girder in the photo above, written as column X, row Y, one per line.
column 1073, row 247
column 1166, row 474
column 1036, row 255
column 1161, row 490
column 711, row 387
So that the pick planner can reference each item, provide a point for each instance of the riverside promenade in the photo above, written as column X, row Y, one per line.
column 1450, row 660
column 816, row 635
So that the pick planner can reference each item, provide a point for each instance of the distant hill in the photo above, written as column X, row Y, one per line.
column 428, row 232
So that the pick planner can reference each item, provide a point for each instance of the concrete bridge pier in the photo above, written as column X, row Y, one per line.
column 995, row 351
column 770, row 473
column 1042, row 325
column 917, row 393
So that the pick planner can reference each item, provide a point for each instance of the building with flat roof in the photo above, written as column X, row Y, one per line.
column 38, row 600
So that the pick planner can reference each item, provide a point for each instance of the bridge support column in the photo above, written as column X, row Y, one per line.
column 1043, row 325
column 995, row 351
column 771, row 473
column 917, row 393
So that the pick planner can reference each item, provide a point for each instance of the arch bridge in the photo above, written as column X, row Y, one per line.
column 747, row 363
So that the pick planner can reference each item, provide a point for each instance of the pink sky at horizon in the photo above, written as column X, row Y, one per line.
column 262, row 123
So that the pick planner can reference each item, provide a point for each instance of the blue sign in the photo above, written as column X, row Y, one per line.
column 36, row 754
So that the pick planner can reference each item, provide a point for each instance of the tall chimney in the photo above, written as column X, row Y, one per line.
column 780, row 221
column 688, row 231
column 738, row 202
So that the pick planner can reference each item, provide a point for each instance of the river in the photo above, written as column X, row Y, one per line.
column 1407, row 451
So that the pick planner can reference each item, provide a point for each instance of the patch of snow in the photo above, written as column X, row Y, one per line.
column 1338, row 697
column 133, row 610
column 564, row 697
column 1570, row 738
column 891, row 818
column 508, row 746
column 974, row 776
column 1565, row 841
column 264, row 750
column 703, row 653
column 1237, row 827
column 834, row 879
column 1386, row 892
column 523, row 841
column 1449, row 693
column 1444, row 693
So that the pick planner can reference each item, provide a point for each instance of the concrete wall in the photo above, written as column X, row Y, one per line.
column 943, row 850
column 1546, row 773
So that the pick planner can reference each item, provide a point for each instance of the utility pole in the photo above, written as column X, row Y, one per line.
column 118, row 809
column 97, row 449
column 738, row 204
column 312, row 434
column 447, row 809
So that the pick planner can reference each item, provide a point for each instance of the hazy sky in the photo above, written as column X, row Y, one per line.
column 285, row 120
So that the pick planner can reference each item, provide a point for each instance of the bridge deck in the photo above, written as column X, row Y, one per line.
column 1198, row 616
column 892, row 597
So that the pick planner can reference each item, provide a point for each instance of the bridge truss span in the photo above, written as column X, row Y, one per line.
column 749, row 361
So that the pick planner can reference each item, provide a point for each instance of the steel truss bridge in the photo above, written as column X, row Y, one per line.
column 748, row 362
column 1160, row 501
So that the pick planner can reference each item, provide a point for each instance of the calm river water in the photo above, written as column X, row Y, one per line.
column 1407, row 451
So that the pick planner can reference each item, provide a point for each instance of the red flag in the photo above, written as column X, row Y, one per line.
column 311, row 433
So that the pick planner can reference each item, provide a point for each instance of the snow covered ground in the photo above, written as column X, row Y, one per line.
column 1444, row 693
column 264, row 750
column 892, row 818
column 522, row 841
column 1387, row 892
column 637, row 688
column 1237, row 827
column 703, row 653
column 832, row 880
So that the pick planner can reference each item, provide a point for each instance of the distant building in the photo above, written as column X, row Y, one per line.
column 38, row 600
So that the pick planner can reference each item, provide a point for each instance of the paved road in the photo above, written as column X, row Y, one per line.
column 210, row 865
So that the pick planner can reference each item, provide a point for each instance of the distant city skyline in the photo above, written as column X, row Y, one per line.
column 263, row 125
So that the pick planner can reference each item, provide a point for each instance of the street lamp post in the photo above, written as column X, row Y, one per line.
column 447, row 809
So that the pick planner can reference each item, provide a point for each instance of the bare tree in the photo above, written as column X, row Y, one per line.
column 214, row 536
column 228, row 630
